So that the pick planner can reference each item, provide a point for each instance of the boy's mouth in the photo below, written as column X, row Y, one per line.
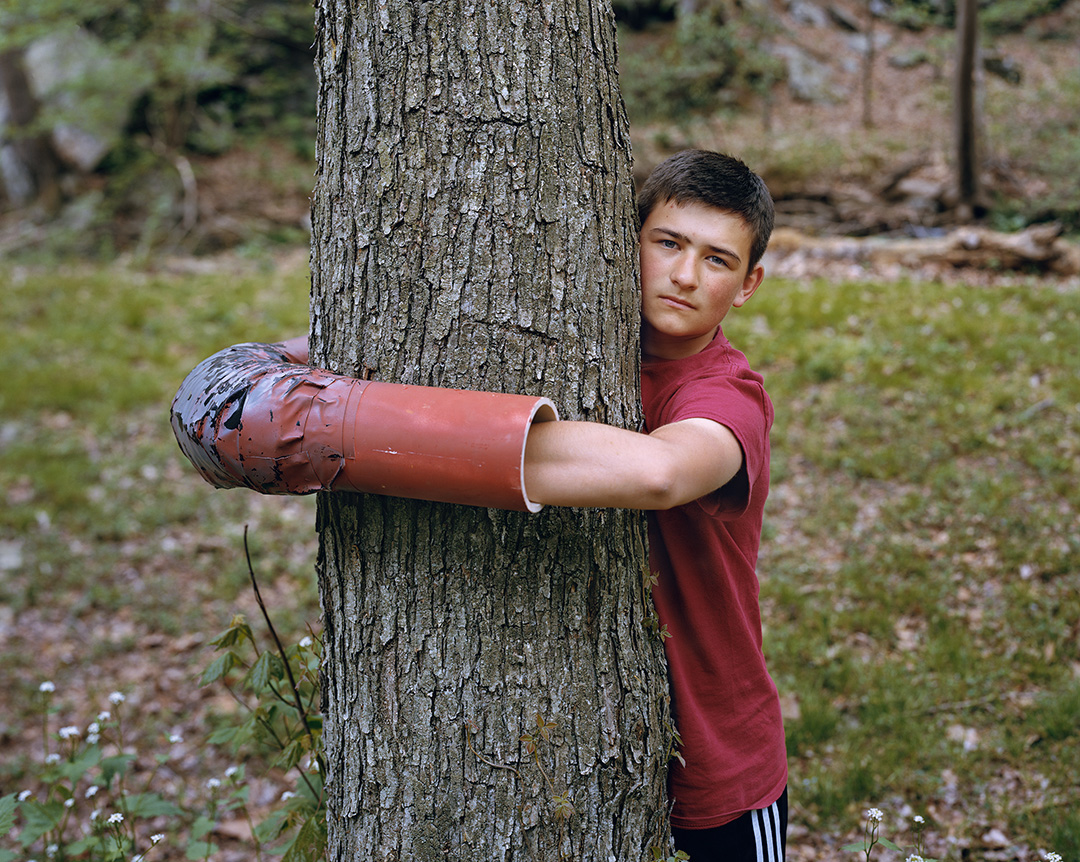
column 676, row 301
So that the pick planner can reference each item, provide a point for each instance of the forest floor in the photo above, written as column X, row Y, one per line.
column 925, row 645
column 164, row 584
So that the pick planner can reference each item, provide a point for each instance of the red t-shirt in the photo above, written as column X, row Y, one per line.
column 725, row 704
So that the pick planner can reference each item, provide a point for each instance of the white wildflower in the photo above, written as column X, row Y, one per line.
column 115, row 818
column 69, row 803
column 52, row 850
column 138, row 857
column 1053, row 857
column 26, row 794
column 918, row 819
column 231, row 771
column 94, row 727
column 95, row 814
column 104, row 715
column 175, row 738
column 306, row 642
column 47, row 687
column 287, row 795
column 914, row 857
column 69, row 732
column 117, row 698
column 157, row 838
column 52, row 758
column 213, row 783
column 93, row 738
column 874, row 815
column 92, row 791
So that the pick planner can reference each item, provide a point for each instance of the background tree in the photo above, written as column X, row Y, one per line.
column 969, row 197
column 113, row 100
column 28, row 164
column 492, row 690
column 868, row 58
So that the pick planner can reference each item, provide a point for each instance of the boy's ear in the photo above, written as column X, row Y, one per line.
column 750, row 284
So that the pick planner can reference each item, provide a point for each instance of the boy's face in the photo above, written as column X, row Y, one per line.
column 693, row 271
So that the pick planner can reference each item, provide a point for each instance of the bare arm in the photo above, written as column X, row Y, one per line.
column 589, row 464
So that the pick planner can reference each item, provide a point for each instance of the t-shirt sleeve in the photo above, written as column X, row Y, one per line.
column 742, row 406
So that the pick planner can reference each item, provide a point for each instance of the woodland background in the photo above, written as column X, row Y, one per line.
column 922, row 562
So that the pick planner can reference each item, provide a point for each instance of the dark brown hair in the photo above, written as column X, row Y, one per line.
column 716, row 180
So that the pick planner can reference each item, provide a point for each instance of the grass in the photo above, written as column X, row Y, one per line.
column 921, row 573
column 921, row 584
column 102, row 516
column 1048, row 146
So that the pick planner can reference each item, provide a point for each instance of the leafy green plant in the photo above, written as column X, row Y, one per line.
column 710, row 64
column 86, row 801
column 84, row 798
column 277, row 690
column 998, row 17
column 657, row 855
column 871, row 839
column 204, row 70
column 156, row 84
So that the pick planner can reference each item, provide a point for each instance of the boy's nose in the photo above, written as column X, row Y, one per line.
column 683, row 272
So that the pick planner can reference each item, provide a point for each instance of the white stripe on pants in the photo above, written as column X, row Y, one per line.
column 766, row 823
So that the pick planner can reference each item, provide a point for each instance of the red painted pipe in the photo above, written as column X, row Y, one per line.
column 254, row 416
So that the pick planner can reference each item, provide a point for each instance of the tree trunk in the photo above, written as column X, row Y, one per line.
column 492, row 688
column 29, row 167
column 966, row 114
column 868, row 68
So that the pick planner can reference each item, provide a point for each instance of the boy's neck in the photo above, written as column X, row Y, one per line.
column 658, row 346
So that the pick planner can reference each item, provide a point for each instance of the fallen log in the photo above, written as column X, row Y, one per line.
column 1039, row 247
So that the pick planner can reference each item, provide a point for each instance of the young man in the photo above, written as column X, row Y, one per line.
column 701, row 470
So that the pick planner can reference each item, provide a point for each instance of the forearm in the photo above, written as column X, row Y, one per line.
column 590, row 464
column 295, row 349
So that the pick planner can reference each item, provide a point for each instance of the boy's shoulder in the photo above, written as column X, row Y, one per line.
column 719, row 358
column 716, row 383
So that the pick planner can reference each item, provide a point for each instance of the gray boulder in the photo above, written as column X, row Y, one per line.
column 809, row 79
column 86, row 93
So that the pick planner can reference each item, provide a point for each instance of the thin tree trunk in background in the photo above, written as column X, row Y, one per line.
column 868, row 69
column 473, row 227
column 28, row 165
column 967, row 144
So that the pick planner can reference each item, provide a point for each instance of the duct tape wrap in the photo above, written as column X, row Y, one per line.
column 250, row 417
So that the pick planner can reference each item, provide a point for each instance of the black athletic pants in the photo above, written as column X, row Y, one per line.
column 757, row 836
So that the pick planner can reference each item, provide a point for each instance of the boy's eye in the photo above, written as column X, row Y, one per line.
column 719, row 261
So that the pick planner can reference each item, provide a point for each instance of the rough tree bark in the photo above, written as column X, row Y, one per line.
column 492, row 688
